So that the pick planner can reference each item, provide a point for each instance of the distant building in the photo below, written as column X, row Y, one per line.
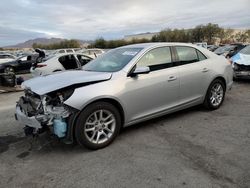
column 140, row 36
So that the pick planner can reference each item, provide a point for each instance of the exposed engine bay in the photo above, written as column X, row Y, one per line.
column 39, row 113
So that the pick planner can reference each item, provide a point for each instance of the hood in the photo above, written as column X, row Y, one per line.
column 242, row 59
column 46, row 84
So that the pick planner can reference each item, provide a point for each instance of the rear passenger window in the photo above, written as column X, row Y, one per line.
column 83, row 59
column 156, row 59
column 186, row 55
column 200, row 55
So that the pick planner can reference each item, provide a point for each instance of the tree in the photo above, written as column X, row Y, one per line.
column 63, row 44
column 210, row 32
column 198, row 34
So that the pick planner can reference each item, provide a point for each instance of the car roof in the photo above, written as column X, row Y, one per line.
column 156, row 44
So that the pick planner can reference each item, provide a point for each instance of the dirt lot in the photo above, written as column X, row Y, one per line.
column 192, row 148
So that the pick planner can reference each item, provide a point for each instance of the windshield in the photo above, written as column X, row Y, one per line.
column 224, row 49
column 112, row 61
column 245, row 50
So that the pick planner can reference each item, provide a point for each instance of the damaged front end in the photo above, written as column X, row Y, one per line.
column 39, row 113
column 241, row 71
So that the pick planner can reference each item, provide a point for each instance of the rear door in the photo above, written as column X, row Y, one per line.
column 194, row 73
column 25, row 63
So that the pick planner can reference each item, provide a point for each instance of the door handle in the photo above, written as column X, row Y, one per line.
column 205, row 70
column 172, row 78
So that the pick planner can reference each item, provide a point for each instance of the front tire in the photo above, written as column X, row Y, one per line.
column 98, row 125
column 215, row 95
column 9, row 70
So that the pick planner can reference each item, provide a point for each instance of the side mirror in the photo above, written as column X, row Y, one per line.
column 140, row 70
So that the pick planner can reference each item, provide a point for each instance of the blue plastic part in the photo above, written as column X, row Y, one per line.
column 60, row 127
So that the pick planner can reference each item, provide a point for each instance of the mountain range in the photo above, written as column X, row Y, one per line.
column 44, row 41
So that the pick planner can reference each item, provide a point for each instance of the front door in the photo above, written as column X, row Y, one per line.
column 155, row 92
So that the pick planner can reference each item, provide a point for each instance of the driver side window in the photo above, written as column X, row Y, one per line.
column 156, row 59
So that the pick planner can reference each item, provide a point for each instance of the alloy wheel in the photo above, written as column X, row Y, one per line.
column 100, row 126
column 216, row 95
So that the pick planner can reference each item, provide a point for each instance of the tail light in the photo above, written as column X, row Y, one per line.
column 40, row 65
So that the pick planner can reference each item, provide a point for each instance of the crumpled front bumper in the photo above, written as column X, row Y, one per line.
column 242, row 74
column 24, row 120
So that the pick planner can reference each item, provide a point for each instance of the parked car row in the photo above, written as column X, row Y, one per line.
column 58, row 60
column 122, row 87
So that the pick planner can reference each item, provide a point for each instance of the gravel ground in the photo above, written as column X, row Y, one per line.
column 192, row 148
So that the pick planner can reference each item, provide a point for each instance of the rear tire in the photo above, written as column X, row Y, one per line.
column 215, row 95
column 98, row 125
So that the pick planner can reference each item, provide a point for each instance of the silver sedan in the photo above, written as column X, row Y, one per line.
column 122, row 87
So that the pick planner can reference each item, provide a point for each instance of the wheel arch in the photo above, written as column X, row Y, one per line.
column 113, row 102
column 222, row 79
column 72, row 123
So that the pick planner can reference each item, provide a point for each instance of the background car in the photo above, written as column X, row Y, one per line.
column 212, row 47
column 94, row 52
column 63, row 51
column 229, row 50
column 4, row 57
column 19, row 65
column 124, row 86
column 59, row 62
column 241, row 63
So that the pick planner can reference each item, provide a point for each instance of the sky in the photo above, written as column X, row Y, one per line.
column 21, row 20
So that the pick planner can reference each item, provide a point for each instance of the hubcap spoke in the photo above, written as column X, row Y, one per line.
column 106, row 118
column 109, row 122
column 92, row 137
column 101, row 115
column 90, row 129
column 98, row 137
column 96, row 118
column 106, row 136
column 107, row 129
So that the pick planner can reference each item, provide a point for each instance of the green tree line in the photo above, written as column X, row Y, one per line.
column 60, row 45
column 202, row 33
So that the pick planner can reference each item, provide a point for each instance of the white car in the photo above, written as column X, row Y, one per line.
column 94, row 52
column 59, row 62
column 6, row 58
column 63, row 51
